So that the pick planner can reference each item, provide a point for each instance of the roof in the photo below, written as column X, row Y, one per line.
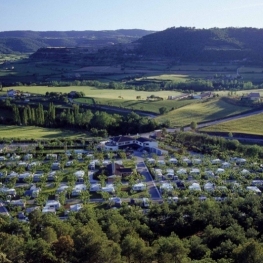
column 121, row 139
column 3, row 210
column 144, row 139
column 254, row 95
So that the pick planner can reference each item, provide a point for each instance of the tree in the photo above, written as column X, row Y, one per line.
column 193, row 125
column 250, row 252
column 163, row 110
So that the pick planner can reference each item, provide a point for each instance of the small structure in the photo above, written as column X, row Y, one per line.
column 109, row 188
column 95, row 187
column 139, row 187
column 166, row 187
column 254, row 189
column 75, row 208
column 253, row 96
column 77, row 189
column 3, row 210
column 194, row 187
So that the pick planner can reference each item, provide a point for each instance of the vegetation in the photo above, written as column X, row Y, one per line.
column 33, row 132
column 187, row 231
column 213, row 44
column 249, row 125
column 200, row 112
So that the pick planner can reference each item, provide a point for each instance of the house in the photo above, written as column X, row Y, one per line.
column 72, row 94
column 20, row 203
column 121, row 142
column 253, row 96
column 79, row 174
column 75, row 208
column 24, row 177
column 118, row 170
column 3, row 210
column 209, row 187
column 95, row 187
column 109, row 188
column 116, row 201
column 173, row 161
column 51, row 205
column 33, row 191
column 254, row 189
column 166, row 187
column 139, row 187
column 194, row 187
column 8, row 191
column 12, row 93
column 55, row 166
column 62, row 188
column 180, row 97
column 77, row 189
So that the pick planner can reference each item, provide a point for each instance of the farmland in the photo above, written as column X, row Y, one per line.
column 249, row 125
column 200, row 112
column 32, row 132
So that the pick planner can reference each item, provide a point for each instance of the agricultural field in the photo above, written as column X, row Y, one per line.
column 200, row 112
column 167, row 77
column 98, row 93
column 32, row 132
column 145, row 105
column 249, row 125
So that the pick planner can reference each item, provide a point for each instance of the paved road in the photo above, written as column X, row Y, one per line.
column 151, row 186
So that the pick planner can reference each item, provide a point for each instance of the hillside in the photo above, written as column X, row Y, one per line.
column 31, row 41
column 215, row 44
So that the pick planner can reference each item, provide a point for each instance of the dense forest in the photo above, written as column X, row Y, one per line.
column 185, row 231
column 31, row 41
column 215, row 44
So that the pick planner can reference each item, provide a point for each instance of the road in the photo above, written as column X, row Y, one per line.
column 151, row 186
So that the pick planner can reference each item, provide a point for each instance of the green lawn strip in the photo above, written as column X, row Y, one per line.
column 250, row 125
column 200, row 112
column 32, row 132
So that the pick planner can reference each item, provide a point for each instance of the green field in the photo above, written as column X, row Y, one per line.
column 97, row 93
column 250, row 125
column 32, row 132
column 201, row 111
column 172, row 77
column 145, row 105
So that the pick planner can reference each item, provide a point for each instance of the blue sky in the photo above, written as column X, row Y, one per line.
column 44, row 15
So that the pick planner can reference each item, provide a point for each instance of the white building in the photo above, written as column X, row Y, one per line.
column 139, row 187
column 195, row 187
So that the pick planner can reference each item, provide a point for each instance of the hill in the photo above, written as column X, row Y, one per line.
column 31, row 41
column 215, row 44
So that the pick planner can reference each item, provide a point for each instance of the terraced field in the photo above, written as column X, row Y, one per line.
column 250, row 125
column 202, row 111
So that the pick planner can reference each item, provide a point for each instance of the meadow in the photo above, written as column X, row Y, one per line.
column 145, row 105
column 32, row 132
column 97, row 93
column 250, row 125
column 201, row 111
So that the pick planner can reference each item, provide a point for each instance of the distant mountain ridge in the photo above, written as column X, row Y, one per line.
column 204, row 44
column 31, row 41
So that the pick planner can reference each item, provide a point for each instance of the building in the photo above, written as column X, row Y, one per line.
column 122, row 142
column 253, row 96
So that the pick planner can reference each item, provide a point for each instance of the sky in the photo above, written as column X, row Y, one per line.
column 64, row 15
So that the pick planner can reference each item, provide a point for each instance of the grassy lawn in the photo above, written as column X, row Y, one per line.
column 201, row 111
column 31, row 132
column 250, row 125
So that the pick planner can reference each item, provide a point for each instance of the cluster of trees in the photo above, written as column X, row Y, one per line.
column 99, row 123
column 216, row 146
column 182, row 232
